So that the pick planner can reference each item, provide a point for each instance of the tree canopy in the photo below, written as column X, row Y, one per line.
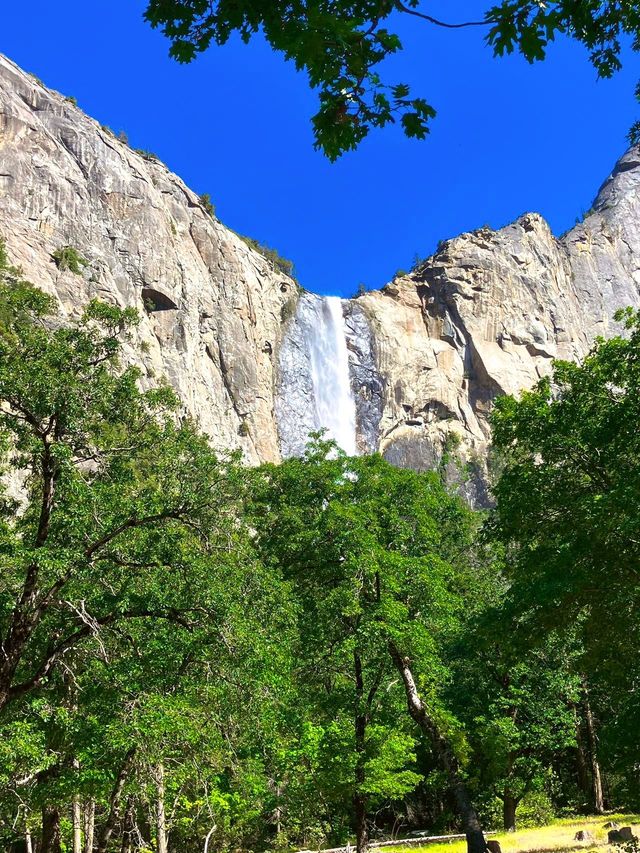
column 342, row 47
column 567, row 511
column 192, row 651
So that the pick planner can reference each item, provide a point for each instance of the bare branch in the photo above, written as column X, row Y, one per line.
column 409, row 11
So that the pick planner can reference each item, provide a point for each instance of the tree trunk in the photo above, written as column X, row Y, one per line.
column 114, row 803
column 89, row 825
column 161, row 816
column 444, row 755
column 360, row 814
column 360, row 723
column 128, row 827
column 582, row 771
column 509, row 806
column 28, row 843
column 277, row 814
column 50, row 841
column 592, row 738
column 77, row 824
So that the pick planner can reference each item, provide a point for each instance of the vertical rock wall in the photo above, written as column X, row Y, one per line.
column 428, row 353
column 216, row 306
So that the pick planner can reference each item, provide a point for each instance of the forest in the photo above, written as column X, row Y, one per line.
column 200, row 655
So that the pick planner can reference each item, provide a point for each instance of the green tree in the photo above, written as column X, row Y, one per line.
column 568, row 502
column 116, row 488
column 126, row 571
column 341, row 46
column 518, row 709
column 366, row 548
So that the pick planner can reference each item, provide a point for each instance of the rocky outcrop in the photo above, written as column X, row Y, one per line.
column 211, row 307
column 488, row 313
column 428, row 353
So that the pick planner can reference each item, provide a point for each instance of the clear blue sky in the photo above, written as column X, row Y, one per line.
column 508, row 138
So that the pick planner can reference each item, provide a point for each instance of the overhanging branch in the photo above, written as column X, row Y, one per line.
column 409, row 11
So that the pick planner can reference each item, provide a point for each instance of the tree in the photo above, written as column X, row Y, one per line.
column 126, row 571
column 366, row 549
column 568, row 512
column 117, row 491
column 518, row 710
column 340, row 46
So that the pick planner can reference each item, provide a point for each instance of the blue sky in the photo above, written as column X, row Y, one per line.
column 508, row 137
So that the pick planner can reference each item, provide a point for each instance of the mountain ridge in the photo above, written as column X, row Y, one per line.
column 484, row 315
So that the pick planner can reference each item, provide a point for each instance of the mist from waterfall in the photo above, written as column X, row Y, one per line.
column 314, row 377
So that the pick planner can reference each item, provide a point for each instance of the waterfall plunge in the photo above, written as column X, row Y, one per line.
column 315, row 385
column 335, row 405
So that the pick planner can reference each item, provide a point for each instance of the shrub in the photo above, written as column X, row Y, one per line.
column 400, row 274
column 206, row 203
column 535, row 809
column 148, row 155
column 122, row 136
column 68, row 258
column 284, row 265
column 71, row 100
column 451, row 442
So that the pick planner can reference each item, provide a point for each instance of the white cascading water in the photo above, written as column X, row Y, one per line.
column 314, row 389
column 335, row 404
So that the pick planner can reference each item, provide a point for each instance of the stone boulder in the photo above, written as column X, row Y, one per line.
column 583, row 835
column 617, row 836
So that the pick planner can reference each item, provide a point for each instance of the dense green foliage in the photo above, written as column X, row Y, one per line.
column 297, row 655
column 207, row 204
column 124, row 582
column 568, row 499
column 366, row 550
column 342, row 45
column 68, row 258
column 568, row 513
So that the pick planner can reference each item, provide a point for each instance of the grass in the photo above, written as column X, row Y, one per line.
column 559, row 835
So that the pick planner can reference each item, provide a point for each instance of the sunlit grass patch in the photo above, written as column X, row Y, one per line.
column 557, row 836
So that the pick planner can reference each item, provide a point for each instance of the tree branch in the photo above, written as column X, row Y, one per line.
column 409, row 11
column 130, row 524
column 57, row 648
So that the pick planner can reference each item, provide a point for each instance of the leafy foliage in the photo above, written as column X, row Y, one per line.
column 342, row 45
column 568, row 515
column 207, row 204
column 68, row 258
column 365, row 547
column 125, row 573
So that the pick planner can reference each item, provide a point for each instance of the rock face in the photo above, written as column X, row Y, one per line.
column 484, row 316
column 427, row 354
column 487, row 314
column 211, row 307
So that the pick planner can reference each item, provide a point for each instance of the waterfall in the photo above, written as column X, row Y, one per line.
column 335, row 405
column 314, row 383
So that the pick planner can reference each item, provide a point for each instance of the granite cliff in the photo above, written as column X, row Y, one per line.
column 426, row 355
